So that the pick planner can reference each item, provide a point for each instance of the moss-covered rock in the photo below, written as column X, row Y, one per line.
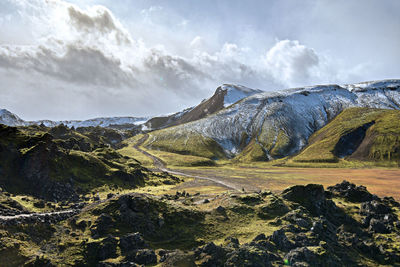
column 36, row 163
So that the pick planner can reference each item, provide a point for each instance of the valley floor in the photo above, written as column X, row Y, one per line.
column 263, row 176
column 383, row 182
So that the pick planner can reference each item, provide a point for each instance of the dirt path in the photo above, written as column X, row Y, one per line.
column 161, row 166
column 158, row 163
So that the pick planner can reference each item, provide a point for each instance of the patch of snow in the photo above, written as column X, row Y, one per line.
column 11, row 119
column 299, row 112
column 234, row 93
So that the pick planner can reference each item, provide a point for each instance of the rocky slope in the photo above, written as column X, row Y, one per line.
column 60, row 163
column 224, row 96
column 275, row 124
column 304, row 225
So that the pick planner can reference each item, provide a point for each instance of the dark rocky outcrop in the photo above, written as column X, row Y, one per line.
column 142, row 256
column 102, row 225
column 310, row 229
column 311, row 196
column 132, row 242
column 101, row 250
column 55, row 165
column 351, row 192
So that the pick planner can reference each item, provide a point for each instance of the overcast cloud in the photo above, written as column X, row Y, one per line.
column 84, row 59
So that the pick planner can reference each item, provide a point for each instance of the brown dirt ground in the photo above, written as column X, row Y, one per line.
column 383, row 182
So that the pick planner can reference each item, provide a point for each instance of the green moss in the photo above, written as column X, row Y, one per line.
column 174, row 159
column 29, row 154
column 252, row 152
column 184, row 143
column 381, row 141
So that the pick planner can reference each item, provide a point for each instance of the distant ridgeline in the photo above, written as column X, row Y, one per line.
column 301, row 124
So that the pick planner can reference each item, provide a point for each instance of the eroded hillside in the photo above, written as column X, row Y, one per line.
column 272, row 125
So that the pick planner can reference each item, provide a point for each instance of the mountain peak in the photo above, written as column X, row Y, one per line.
column 9, row 118
column 4, row 111
column 233, row 93
column 278, row 124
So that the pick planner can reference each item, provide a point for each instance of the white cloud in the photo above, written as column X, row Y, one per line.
column 291, row 62
column 98, row 20
column 87, row 54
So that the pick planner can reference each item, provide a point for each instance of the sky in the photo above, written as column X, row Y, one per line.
column 90, row 58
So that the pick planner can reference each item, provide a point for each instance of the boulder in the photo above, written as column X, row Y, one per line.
column 378, row 226
column 232, row 242
column 374, row 207
column 177, row 258
column 102, row 225
column 101, row 250
column 298, row 217
column 131, row 242
column 248, row 256
column 311, row 196
column 300, row 257
column 351, row 192
column 281, row 241
column 210, row 255
column 143, row 256
column 273, row 208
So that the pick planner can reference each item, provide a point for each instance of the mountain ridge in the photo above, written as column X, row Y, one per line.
column 10, row 119
column 224, row 96
column 281, row 122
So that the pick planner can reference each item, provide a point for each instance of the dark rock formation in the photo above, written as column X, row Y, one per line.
column 351, row 192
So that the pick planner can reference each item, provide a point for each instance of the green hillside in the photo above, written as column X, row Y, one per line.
column 182, row 143
column 356, row 134
column 60, row 163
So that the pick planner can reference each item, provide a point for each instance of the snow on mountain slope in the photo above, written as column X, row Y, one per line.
column 161, row 122
column 10, row 119
column 282, row 121
column 101, row 122
column 224, row 96
column 234, row 93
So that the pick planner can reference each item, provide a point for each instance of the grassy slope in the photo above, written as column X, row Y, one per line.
column 192, row 144
column 381, row 142
column 379, row 148
column 173, row 159
column 252, row 152
column 129, row 151
column 170, row 159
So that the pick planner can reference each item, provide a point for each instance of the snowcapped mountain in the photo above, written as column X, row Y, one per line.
column 224, row 96
column 101, row 122
column 281, row 122
column 234, row 93
column 10, row 119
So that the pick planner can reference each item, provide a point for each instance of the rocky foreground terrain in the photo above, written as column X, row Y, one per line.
column 305, row 225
